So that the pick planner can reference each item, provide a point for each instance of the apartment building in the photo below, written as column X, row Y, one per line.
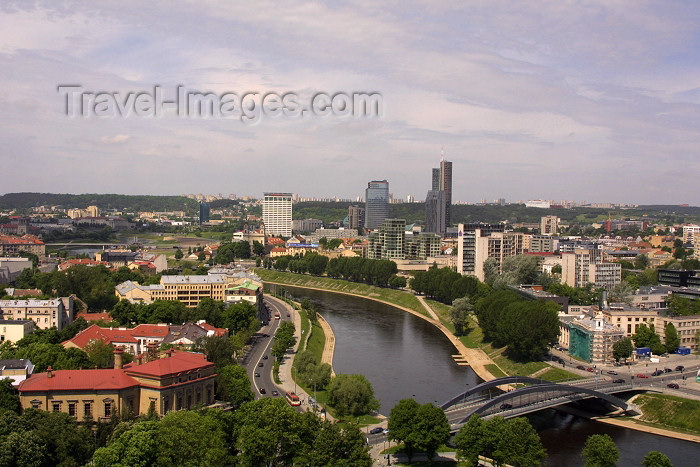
column 46, row 314
column 549, row 225
column 687, row 327
column 277, row 213
column 583, row 266
column 11, row 245
column 388, row 241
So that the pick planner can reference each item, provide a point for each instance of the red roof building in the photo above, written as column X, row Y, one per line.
column 177, row 380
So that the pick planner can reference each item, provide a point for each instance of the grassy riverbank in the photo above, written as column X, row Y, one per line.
column 670, row 412
column 393, row 296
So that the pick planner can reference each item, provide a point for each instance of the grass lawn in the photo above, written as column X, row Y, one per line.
column 495, row 371
column 670, row 411
column 518, row 369
column 557, row 374
column 393, row 296
column 305, row 328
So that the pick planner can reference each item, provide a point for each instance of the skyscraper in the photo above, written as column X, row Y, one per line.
column 441, row 181
column 356, row 217
column 435, row 212
column 376, row 203
column 446, row 186
column 277, row 213
column 203, row 212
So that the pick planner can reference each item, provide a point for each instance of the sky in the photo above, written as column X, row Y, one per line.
column 595, row 101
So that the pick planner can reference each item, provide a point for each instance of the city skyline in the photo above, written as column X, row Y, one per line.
column 536, row 99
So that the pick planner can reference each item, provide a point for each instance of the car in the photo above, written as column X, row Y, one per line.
column 265, row 357
column 612, row 372
column 275, row 393
column 261, row 364
column 590, row 368
column 262, row 391
column 376, row 431
column 257, row 375
column 506, row 406
column 667, row 370
column 657, row 373
column 580, row 367
column 642, row 375
column 672, row 385
column 288, row 315
column 680, row 368
column 618, row 380
column 386, row 430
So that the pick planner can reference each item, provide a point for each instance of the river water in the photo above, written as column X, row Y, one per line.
column 405, row 356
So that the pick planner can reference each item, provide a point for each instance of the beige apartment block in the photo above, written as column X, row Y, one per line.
column 56, row 312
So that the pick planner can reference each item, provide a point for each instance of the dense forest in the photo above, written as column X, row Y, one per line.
column 130, row 203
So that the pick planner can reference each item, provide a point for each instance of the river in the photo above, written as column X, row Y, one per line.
column 405, row 356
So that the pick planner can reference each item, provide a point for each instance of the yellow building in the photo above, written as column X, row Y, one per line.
column 179, row 380
column 56, row 312
column 14, row 330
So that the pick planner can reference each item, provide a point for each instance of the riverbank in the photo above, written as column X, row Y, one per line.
column 476, row 358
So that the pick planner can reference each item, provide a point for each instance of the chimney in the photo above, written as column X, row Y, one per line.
column 49, row 372
column 118, row 358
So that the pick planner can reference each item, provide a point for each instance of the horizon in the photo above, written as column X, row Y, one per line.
column 594, row 102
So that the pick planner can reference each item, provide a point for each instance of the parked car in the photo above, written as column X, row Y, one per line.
column 657, row 373
column 642, row 375
column 376, row 431
column 672, row 385
column 590, row 368
column 618, row 380
column 680, row 368
column 580, row 367
column 506, row 406
column 612, row 372
column 667, row 370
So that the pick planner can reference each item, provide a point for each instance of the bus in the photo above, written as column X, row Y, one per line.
column 293, row 399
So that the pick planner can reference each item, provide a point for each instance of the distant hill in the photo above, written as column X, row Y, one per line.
column 103, row 201
column 513, row 213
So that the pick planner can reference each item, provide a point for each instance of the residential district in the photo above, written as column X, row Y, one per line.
column 640, row 273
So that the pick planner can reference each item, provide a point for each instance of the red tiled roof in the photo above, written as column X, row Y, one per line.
column 278, row 249
column 102, row 316
column 72, row 380
column 107, row 335
column 274, row 241
column 217, row 331
column 151, row 330
column 176, row 363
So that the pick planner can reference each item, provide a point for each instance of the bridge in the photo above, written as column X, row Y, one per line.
column 489, row 399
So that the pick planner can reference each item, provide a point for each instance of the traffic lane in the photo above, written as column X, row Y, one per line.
column 266, row 380
column 260, row 349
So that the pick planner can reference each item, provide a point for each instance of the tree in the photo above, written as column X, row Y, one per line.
column 258, row 248
column 233, row 385
column 621, row 293
column 336, row 446
column 9, row 400
column 401, row 422
column 100, row 353
column 520, row 445
column 671, row 338
column 470, row 440
column 23, row 449
column 136, row 446
column 189, row 438
column 622, row 349
column 351, row 395
column 600, row 451
column 646, row 337
column 641, row 261
column 656, row 459
column 430, row 430
column 460, row 315
column 218, row 349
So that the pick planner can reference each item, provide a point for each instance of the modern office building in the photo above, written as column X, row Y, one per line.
column 376, row 203
column 435, row 212
column 388, row 241
column 277, row 213
column 423, row 245
column 436, row 179
column 446, row 186
column 306, row 225
column 356, row 217
column 203, row 212
column 549, row 225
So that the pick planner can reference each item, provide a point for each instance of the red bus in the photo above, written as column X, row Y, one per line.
column 293, row 399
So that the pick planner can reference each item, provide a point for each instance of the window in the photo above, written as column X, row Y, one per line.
column 72, row 408
column 87, row 409
column 108, row 409
column 36, row 404
column 56, row 406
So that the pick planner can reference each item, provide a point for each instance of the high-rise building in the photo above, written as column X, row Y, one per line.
column 376, row 203
column 277, row 213
column 583, row 266
column 356, row 217
column 203, row 212
column 435, row 212
column 442, row 181
column 549, row 225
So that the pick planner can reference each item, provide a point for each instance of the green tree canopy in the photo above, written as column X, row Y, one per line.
column 656, row 459
column 233, row 385
column 351, row 395
column 623, row 349
column 600, row 451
